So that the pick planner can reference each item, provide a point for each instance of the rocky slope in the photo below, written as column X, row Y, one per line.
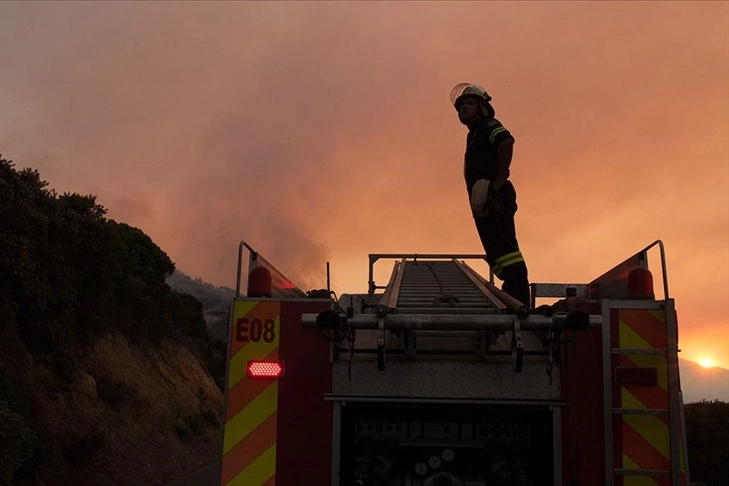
column 130, row 415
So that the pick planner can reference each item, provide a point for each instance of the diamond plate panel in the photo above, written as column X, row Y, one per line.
column 446, row 379
column 448, row 340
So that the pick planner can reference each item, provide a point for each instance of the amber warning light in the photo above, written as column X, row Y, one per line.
column 265, row 369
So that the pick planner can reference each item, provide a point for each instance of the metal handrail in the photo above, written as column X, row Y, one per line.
column 277, row 277
column 240, row 264
column 639, row 259
column 663, row 263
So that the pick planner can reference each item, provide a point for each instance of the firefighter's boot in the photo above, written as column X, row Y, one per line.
column 516, row 282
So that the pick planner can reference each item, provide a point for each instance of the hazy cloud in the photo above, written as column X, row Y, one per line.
column 322, row 131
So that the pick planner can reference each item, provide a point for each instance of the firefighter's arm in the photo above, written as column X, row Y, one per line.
column 504, row 151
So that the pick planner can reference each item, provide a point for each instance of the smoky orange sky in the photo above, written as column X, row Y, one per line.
column 322, row 132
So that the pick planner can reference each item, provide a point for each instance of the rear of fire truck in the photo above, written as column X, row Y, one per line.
column 439, row 378
column 424, row 385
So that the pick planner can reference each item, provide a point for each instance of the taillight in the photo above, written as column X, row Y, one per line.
column 265, row 369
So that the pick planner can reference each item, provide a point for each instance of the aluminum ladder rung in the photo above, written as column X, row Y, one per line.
column 642, row 472
column 425, row 283
column 641, row 411
column 458, row 300
column 447, row 310
column 638, row 351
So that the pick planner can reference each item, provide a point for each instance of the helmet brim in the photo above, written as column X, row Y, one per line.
column 462, row 90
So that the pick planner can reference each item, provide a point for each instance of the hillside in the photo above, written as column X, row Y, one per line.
column 700, row 383
column 215, row 301
column 107, row 376
column 127, row 416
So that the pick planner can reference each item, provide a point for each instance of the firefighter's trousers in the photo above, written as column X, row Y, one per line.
column 498, row 236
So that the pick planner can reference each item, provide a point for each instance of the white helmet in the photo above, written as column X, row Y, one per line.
column 468, row 89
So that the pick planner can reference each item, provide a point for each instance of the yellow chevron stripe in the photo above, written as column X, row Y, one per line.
column 239, row 362
column 240, row 309
column 253, row 415
column 259, row 470
column 243, row 307
column 660, row 315
column 652, row 429
column 629, row 400
column 636, row 480
column 630, row 339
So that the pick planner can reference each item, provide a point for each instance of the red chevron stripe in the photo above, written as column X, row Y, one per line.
column 647, row 326
column 650, row 397
column 270, row 482
column 246, row 390
column 642, row 452
column 247, row 450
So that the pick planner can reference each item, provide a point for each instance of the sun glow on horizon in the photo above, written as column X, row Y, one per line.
column 706, row 362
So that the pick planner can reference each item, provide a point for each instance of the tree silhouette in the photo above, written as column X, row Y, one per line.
column 67, row 276
column 707, row 431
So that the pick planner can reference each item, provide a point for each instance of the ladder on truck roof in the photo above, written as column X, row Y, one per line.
column 432, row 295
column 440, row 284
column 437, row 287
column 441, row 296
column 427, row 287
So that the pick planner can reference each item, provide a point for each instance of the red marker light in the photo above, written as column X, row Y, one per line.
column 640, row 284
column 265, row 369
column 259, row 282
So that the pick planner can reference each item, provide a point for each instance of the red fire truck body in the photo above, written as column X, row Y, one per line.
column 441, row 379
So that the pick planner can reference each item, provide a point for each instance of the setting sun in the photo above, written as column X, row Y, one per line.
column 706, row 362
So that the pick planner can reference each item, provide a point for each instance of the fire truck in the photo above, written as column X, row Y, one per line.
column 439, row 378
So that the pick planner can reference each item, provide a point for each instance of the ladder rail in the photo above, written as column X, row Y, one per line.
column 673, row 394
column 607, row 394
column 471, row 274
column 390, row 296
